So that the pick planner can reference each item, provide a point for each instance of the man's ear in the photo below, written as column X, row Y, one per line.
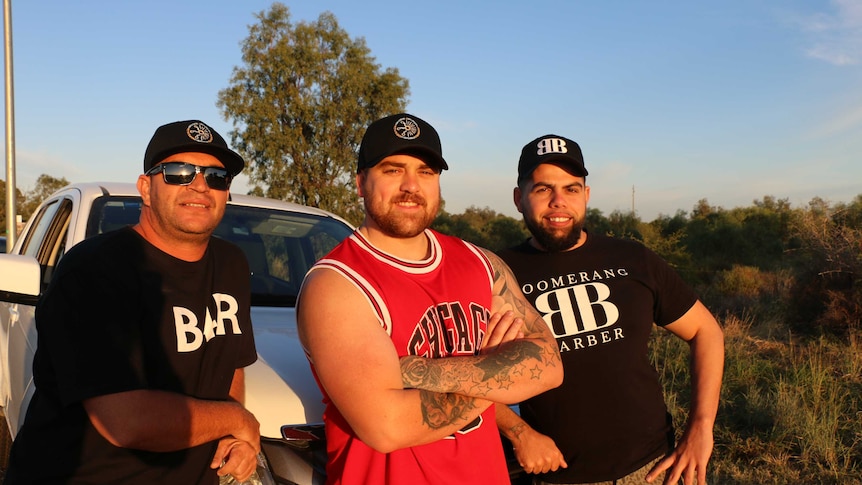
column 360, row 179
column 144, row 188
column 516, row 196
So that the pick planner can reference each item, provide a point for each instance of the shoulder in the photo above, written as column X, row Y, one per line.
column 522, row 249
column 223, row 246
column 451, row 243
column 446, row 239
column 229, row 254
column 108, row 247
column 601, row 242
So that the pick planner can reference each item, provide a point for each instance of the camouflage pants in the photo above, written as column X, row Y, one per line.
column 637, row 477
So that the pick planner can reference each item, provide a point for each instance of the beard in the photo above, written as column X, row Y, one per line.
column 555, row 240
column 398, row 225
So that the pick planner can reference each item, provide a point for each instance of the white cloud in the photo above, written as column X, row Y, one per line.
column 848, row 120
column 836, row 36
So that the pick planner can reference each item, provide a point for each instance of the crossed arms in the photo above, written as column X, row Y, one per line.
column 393, row 402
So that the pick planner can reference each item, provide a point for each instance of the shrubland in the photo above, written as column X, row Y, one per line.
column 784, row 284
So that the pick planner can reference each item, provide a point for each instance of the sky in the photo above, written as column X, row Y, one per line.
column 670, row 101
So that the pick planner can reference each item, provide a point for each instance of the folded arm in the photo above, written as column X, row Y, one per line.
column 514, row 371
column 162, row 421
column 358, row 367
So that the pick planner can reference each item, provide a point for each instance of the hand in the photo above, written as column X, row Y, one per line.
column 502, row 328
column 235, row 457
column 689, row 459
column 538, row 453
column 249, row 428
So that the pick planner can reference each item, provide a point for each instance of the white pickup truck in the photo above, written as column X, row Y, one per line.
column 280, row 240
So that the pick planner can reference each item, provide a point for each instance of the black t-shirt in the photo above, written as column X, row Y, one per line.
column 601, row 300
column 121, row 315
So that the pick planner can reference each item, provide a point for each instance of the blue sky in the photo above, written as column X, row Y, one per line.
column 671, row 101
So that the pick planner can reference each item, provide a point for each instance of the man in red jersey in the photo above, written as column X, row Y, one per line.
column 414, row 335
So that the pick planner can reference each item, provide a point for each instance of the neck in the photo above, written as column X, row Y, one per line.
column 191, row 250
column 581, row 240
column 415, row 248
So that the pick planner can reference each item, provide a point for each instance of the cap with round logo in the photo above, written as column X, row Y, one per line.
column 190, row 136
column 400, row 133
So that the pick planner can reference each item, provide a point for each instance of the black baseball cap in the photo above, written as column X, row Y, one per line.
column 551, row 149
column 400, row 133
column 190, row 136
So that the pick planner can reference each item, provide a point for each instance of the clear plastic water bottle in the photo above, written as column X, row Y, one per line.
column 260, row 476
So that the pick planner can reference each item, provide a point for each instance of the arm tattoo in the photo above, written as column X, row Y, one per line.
column 440, row 410
column 480, row 375
column 483, row 375
column 508, row 296
column 516, row 430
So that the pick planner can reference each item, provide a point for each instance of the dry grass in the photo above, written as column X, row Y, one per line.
column 789, row 411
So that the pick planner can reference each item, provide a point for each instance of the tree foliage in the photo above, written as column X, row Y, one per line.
column 483, row 227
column 300, row 105
column 828, row 265
column 19, row 201
column 26, row 203
column 799, row 266
column 45, row 186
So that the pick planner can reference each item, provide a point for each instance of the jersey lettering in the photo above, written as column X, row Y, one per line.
column 190, row 337
column 447, row 329
column 468, row 428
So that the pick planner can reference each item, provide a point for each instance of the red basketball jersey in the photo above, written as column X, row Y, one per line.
column 434, row 308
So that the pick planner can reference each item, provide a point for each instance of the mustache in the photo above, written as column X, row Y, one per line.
column 415, row 199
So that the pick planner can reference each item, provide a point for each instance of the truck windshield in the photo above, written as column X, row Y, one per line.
column 280, row 245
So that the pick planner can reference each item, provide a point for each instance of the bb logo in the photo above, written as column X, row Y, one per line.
column 551, row 145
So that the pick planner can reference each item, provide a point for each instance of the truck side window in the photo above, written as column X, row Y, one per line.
column 47, row 240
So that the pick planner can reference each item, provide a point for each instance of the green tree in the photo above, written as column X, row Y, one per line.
column 596, row 222
column 828, row 264
column 625, row 224
column 19, row 201
column 45, row 186
column 300, row 105
column 483, row 227
column 505, row 232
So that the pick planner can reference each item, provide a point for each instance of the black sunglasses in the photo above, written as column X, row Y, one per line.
column 182, row 173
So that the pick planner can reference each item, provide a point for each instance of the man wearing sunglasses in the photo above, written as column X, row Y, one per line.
column 143, row 334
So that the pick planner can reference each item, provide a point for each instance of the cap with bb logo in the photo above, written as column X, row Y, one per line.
column 551, row 149
column 400, row 133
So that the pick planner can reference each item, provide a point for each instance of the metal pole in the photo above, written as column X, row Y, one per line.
column 11, row 219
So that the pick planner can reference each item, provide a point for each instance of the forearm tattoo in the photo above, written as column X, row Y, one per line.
column 516, row 431
column 476, row 377
column 450, row 387
column 440, row 409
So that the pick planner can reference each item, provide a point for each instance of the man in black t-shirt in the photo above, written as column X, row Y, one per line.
column 143, row 335
column 601, row 296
